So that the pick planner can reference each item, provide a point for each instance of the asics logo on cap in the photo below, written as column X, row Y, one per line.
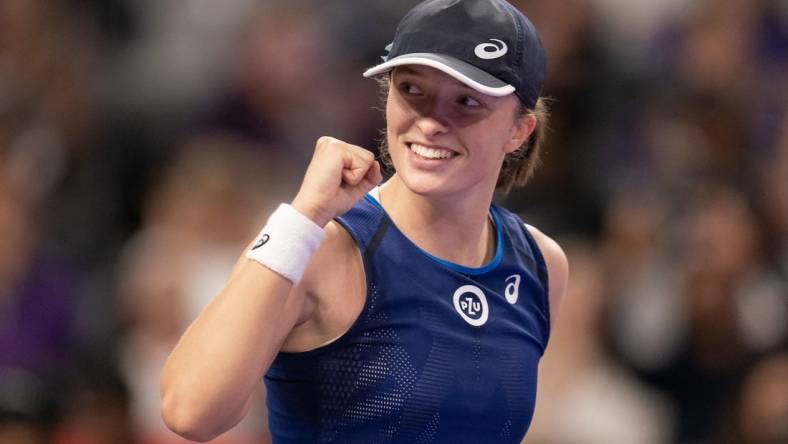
column 488, row 51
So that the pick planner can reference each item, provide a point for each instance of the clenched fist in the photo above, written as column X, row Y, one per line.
column 337, row 177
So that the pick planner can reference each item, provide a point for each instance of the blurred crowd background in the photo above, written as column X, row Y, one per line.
column 143, row 142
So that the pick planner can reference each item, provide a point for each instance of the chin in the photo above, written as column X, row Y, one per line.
column 425, row 184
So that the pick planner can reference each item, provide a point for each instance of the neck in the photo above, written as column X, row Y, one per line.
column 453, row 228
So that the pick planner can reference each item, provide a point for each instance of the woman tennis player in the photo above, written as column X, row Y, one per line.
column 411, row 312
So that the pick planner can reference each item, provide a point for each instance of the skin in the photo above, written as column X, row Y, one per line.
column 441, row 205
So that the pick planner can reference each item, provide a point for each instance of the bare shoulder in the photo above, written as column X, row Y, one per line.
column 553, row 253
column 557, row 268
column 338, row 241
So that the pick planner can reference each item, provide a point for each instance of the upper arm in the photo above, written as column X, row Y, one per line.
column 331, row 292
column 557, row 269
column 323, row 274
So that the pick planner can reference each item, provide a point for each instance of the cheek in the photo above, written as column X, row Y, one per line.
column 393, row 131
column 502, row 134
column 398, row 119
column 491, row 139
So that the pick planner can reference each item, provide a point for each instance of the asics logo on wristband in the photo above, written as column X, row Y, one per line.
column 488, row 51
column 262, row 241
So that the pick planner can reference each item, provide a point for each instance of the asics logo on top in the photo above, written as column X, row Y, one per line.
column 512, row 290
column 471, row 303
column 488, row 51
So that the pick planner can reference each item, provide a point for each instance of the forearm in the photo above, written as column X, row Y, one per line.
column 210, row 375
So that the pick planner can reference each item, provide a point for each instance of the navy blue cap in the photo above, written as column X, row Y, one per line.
column 488, row 45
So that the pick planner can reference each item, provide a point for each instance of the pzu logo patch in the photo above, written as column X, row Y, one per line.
column 471, row 303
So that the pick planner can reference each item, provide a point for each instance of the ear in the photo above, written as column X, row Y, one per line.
column 521, row 131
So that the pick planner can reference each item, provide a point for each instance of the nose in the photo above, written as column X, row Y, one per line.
column 433, row 119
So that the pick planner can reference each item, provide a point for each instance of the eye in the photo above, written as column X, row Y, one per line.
column 468, row 101
column 409, row 88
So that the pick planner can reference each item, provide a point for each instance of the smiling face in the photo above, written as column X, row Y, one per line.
column 445, row 138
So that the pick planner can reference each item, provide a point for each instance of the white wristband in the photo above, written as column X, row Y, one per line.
column 287, row 242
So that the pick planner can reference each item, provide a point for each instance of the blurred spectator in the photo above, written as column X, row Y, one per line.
column 277, row 65
column 773, row 200
column 644, row 306
column 762, row 411
column 27, row 409
column 38, row 293
column 583, row 394
column 727, row 60
column 582, row 85
column 96, row 409
column 198, row 218
column 694, row 341
column 289, row 85
column 172, row 59
column 52, row 126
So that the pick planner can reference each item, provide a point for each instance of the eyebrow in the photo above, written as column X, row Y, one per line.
column 406, row 70
column 415, row 72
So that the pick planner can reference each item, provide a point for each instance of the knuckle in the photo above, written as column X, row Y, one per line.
column 363, row 153
column 324, row 142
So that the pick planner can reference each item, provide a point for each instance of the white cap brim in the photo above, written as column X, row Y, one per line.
column 466, row 73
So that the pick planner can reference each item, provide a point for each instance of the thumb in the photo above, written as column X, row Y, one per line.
column 373, row 176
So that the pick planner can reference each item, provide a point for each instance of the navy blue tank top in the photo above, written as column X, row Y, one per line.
column 440, row 352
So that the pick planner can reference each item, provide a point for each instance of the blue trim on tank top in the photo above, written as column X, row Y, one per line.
column 457, row 267
column 373, row 201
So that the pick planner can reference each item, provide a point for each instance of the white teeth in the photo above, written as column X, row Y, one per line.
column 430, row 153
